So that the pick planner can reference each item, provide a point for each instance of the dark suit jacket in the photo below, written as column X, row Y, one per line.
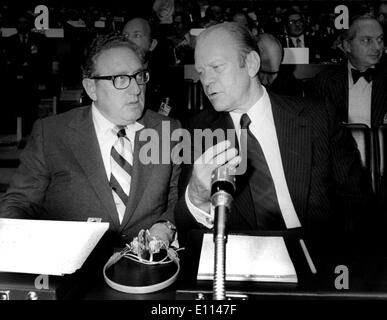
column 31, row 60
column 332, row 85
column 321, row 164
column 62, row 177
column 286, row 83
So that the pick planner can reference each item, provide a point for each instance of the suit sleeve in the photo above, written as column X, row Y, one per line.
column 185, row 221
column 174, row 181
column 26, row 192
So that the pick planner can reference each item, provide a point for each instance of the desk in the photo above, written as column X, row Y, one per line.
column 367, row 279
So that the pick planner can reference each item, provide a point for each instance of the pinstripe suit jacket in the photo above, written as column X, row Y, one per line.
column 321, row 165
column 332, row 86
column 62, row 177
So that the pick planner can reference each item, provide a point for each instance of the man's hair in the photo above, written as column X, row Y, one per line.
column 242, row 36
column 103, row 43
column 350, row 34
column 291, row 12
column 269, row 37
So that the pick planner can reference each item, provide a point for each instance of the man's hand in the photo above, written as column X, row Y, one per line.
column 199, row 187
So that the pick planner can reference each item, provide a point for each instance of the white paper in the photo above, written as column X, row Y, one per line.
column 296, row 56
column 45, row 246
column 249, row 258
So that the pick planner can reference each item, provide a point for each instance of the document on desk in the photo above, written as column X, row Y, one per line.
column 45, row 246
column 249, row 258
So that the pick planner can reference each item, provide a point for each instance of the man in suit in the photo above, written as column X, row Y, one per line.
column 357, row 89
column 272, row 74
column 313, row 180
column 29, row 66
column 295, row 35
column 157, row 57
column 88, row 163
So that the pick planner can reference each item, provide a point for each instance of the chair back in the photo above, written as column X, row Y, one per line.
column 364, row 140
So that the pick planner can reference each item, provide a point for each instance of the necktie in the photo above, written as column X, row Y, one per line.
column 121, row 160
column 261, row 183
column 368, row 74
column 298, row 43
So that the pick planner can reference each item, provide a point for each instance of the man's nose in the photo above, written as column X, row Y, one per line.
column 207, row 78
column 134, row 88
column 378, row 45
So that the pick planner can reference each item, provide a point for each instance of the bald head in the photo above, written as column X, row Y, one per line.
column 270, row 51
column 139, row 31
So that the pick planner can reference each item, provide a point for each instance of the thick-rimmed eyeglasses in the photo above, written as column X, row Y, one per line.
column 122, row 81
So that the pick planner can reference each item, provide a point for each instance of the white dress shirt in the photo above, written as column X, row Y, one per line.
column 302, row 41
column 263, row 128
column 107, row 135
column 359, row 99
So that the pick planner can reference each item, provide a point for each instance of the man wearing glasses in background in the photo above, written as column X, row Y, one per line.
column 295, row 35
column 86, row 163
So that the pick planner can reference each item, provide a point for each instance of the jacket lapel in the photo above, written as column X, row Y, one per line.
column 339, row 85
column 295, row 143
column 83, row 142
column 379, row 97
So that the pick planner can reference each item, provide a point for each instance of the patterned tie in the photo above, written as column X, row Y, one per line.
column 121, row 160
column 261, row 183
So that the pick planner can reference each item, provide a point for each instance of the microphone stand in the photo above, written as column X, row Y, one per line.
column 223, row 186
column 220, row 240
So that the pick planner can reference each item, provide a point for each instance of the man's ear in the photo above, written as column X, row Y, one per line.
column 253, row 63
column 346, row 46
column 89, row 85
column 153, row 45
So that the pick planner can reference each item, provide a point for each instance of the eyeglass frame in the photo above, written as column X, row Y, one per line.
column 130, row 76
column 296, row 21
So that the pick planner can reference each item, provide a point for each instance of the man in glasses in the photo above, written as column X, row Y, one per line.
column 295, row 35
column 87, row 163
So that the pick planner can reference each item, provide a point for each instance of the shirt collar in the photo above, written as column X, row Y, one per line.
column 258, row 113
column 301, row 37
column 103, row 126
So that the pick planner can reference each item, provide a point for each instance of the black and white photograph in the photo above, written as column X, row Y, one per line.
column 205, row 157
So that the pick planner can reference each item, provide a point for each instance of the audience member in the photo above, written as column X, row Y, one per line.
column 29, row 65
column 274, row 76
column 213, row 15
column 382, row 16
column 181, row 41
column 357, row 89
column 295, row 35
column 158, row 58
column 164, row 11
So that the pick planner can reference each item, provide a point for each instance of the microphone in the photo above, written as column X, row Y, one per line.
column 222, row 191
column 222, row 186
